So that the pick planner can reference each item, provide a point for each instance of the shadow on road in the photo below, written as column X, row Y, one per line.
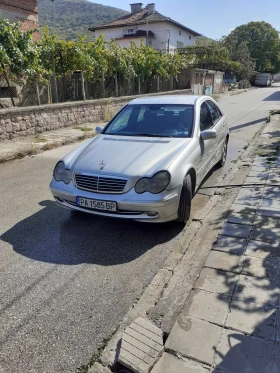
column 274, row 97
column 54, row 235
column 240, row 126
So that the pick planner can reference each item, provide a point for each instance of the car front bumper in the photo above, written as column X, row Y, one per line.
column 146, row 207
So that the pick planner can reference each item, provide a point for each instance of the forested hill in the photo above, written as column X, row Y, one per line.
column 67, row 18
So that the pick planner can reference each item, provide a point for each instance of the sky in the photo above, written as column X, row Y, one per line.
column 214, row 18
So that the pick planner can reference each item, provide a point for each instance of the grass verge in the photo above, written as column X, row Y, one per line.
column 41, row 139
column 33, row 149
column 84, row 129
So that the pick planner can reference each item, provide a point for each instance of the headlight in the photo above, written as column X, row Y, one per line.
column 154, row 185
column 61, row 174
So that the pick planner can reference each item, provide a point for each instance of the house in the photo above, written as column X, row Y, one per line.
column 155, row 29
column 24, row 11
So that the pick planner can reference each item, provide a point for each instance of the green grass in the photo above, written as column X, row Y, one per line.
column 255, row 135
column 84, row 129
column 41, row 139
column 273, row 112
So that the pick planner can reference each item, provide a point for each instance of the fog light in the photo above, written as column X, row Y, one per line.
column 152, row 213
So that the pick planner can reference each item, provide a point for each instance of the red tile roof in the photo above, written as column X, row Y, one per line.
column 140, row 18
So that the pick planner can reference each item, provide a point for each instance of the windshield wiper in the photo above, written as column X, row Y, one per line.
column 149, row 135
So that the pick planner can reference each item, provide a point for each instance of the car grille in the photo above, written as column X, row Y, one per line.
column 100, row 184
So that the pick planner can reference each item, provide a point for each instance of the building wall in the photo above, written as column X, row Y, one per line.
column 24, row 11
column 125, row 43
column 110, row 33
column 161, row 35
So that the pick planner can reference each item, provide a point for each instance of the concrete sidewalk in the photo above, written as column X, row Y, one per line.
column 21, row 147
column 231, row 319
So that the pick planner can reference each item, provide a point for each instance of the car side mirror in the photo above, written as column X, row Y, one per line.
column 99, row 130
column 208, row 135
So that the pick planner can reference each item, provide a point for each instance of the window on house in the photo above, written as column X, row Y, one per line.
column 190, row 37
column 180, row 32
column 129, row 31
column 180, row 44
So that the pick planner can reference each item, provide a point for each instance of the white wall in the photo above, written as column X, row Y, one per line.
column 110, row 33
column 160, row 31
column 161, row 34
column 125, row 43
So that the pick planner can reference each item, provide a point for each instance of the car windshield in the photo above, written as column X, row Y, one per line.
column 153, row 121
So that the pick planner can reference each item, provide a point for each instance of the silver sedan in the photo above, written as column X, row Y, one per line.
column 148, row 162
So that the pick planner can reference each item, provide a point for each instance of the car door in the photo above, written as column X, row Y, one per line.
column 206, row 147
column 219, row 126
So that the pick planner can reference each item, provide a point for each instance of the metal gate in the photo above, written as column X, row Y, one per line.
column 198, row 85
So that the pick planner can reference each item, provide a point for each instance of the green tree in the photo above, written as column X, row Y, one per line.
column 243, row 66
column 18, row 53
column 263, row 44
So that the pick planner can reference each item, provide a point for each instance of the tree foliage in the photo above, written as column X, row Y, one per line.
column 259, row 40
column 100, row 58
column 18, row 52
column 21, row 58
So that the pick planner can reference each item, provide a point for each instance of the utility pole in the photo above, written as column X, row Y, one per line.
column 168, row 41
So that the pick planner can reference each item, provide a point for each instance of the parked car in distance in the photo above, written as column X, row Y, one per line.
column 148, row 161
column 264, row 80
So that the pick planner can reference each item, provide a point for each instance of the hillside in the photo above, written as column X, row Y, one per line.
column 204, row 41
column 67, row 18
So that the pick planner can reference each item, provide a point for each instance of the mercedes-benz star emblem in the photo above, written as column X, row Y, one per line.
column 102, row 164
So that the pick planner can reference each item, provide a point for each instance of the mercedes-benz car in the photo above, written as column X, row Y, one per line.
column 147, row 162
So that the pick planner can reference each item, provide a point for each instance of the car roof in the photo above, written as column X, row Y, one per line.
column 172, row 99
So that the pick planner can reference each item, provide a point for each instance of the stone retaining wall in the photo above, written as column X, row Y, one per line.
column 37, row 119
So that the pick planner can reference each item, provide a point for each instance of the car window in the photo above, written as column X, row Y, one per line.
column 165, row 120
column 122, row 121
column 215, row 112
column 205, row 118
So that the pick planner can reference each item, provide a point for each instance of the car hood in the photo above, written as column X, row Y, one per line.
column 126, row 156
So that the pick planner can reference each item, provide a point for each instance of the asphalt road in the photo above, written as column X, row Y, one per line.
column 67, row 282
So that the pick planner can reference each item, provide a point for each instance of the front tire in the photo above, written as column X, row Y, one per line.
column 222, row 161
column 184, row 210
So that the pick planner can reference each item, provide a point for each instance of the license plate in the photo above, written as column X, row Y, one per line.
column 96, row 204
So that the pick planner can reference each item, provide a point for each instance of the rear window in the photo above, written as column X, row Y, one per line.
column 153, row 120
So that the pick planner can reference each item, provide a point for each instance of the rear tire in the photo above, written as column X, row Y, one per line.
column 184, row 210
column 222, row 161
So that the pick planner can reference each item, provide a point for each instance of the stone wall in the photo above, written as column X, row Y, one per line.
column 37, row 119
